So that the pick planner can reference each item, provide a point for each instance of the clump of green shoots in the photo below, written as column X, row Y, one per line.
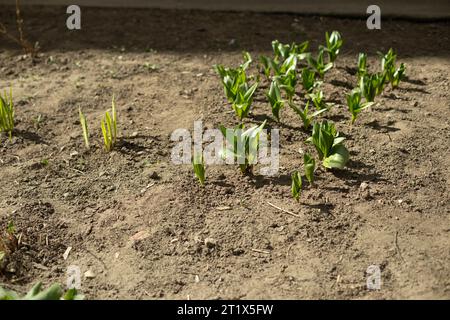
column 242, row 146
column 318, row 100
column 244, row 99
column 84, row 127
column 275, row 100
column 310, row 165
column 286, row 76
column 393, row 74
column 284, row 56
column 296, row 185
column 318, row 64
column 7, row 113
column 334, row 43
column 198, row 165
column 109, row 127
column 362, row 65
column 309, row 80
column 54, row 292
column 372, row 85
column 396, row 76
column 283, row 51
column 329, row 145
column 236, row 87
column 355, row 106
column 304, row 114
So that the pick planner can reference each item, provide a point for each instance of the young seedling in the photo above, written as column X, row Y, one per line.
column 391, row 73
column 198, row 164
column 54, row 292
column 329, row 145
column 318, row 65
column 304, row 114
column 397, row 75
column 334, row 43
column 388, row 60
column 310, row 165
column 309, row 80
column 283, row 51
column 362, row 65
column 109, row 127
column 242, row 146
column 232, row 79
column 372, row 85
column 354, row 103
column 274, row 97
column 244, row 99
column 268, row 64
column 296, row 186
column 318, row 100
column 7, row 113
column 84, row 127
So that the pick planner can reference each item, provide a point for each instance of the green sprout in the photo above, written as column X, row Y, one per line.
column 7, row 113
column 296, row 186
column 392, row 74
column 310, row 165
column 372, row 85
column 354, row 103
column 198, row 164
column 318, row 65
column 283, row 51
column 268, row 64
column 309, row 80
column 329, row 145
column 242, row 146
column 233, row 78
column 54, row 292
column 397, row 75
column 362, row 65
column 334, row 43
column 318, row 100
column 109, row 128
column 304, row 114
column 244, row 99
column 84, row 127
column 274, row 97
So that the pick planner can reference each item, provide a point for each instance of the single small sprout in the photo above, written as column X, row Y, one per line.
column 275, row 100
column 355, row 106
column 304, row 114
column 44, row 162
column 310, row 165
column 318, row 65
column 7, row 113
column 296, row 186
column 362, row 65
column 109, row 128
column 10, row 228
column 84, row 127
column 318, row 100
column 309, row 80
column 198, row 164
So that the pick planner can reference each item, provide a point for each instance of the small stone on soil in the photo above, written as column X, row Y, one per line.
column 89, row 274
column 210, row 242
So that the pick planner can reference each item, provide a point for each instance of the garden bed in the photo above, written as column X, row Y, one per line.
column 146, row 229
